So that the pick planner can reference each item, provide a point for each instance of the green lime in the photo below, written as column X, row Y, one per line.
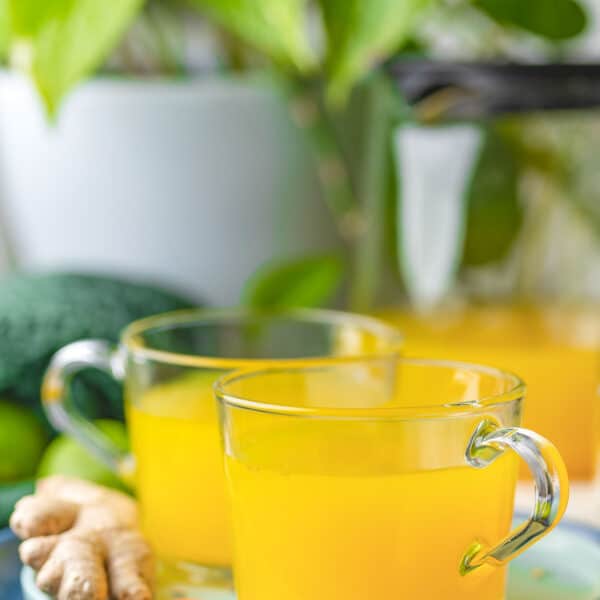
column 22, row 441
column 65, row 456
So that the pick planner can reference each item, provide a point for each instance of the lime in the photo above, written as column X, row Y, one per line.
column 22, row 441
column 66, row 456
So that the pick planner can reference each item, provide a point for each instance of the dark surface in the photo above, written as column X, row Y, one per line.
column 10, row 588
column 484, row 89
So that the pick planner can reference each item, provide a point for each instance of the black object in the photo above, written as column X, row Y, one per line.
column 477, row 89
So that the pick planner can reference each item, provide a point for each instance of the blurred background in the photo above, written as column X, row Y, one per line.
column 432, row 162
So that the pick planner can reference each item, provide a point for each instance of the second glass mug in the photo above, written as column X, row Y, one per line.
column 381, row 479
column 168, row 364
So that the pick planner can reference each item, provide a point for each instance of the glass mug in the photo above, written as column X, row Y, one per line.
column 381, row 479
column 168, row 364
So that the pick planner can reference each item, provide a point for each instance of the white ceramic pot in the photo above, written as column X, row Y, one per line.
column 192, row 183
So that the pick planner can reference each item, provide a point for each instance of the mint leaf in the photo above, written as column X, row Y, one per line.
column 60, row 42
column 275, row 27
column 307, row 282
column 361, row 32
column 552, row 19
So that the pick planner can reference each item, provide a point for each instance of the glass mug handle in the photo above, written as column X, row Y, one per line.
column 66, row 418
column 551, row 489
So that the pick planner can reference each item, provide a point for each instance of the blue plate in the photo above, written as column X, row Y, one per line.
column 564, row 566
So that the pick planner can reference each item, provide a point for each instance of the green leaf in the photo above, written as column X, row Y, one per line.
column 5, row 29
column 60, row 42
column 361, row 32
column 306, row 282
column 28, row 16
column 494, row 213
column 552, row 19
column 275, row 27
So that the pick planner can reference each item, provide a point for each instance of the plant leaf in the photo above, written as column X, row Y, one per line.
column 363, row 31
column 552, row 19
column 5, row 29
column 306, row 282
column 275, row 27
column 61, row 42
column 29, row 16
column 494, row 212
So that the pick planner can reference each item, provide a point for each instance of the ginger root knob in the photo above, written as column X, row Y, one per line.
column 83, row 541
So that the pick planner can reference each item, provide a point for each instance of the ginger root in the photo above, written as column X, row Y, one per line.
column 83, row 541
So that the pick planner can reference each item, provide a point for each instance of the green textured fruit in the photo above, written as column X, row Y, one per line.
column 65, row 456
column 22, row 442
column 42, row 312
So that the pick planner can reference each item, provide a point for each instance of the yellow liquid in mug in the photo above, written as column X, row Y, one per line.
column 554, row 350
column 180, row 481
column 328, row 515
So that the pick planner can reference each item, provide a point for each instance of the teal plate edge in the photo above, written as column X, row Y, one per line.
column 563, row 566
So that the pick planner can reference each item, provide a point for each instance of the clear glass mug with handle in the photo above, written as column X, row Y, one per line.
column 168, row 364
column 381, row 479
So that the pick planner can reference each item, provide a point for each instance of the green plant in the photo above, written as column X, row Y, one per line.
column 357, row 183
column 60, row 42
column 552, row 19
column 306, row 282
column 323, row 54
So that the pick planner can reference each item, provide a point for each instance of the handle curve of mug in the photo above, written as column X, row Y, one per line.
column 551, row 489
column 65, row 417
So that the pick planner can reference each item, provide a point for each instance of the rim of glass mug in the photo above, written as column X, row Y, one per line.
column 488, row 441
column 132, row 336
column 516, row 391
column 105, row 356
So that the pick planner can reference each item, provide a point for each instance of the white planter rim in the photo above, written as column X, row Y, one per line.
column 157, row 86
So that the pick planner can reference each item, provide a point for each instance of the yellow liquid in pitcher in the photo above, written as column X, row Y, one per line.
column 180, row 481
column 329, row 515
column 554, row 350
